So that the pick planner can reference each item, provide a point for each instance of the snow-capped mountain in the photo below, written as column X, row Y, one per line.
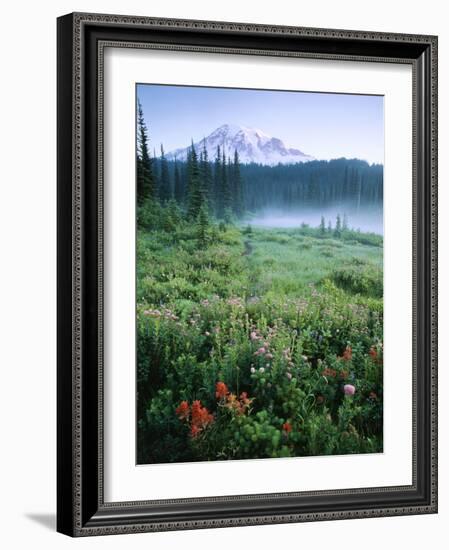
column 252, row 145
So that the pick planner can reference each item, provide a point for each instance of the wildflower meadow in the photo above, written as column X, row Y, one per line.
column 257, row 343
column 257, row 336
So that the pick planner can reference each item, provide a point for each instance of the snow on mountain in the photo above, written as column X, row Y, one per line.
column 252, row 145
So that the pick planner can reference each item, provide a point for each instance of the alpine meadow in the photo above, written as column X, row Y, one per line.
column 259, row 274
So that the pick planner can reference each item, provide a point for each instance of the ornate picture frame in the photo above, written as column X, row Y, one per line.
column 81, row 507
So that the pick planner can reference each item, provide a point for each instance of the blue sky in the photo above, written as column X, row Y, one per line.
column 323, row 125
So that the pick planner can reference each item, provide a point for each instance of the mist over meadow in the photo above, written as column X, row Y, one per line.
column 368, row 219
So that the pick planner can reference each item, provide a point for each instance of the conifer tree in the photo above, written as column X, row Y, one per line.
column 165, row 191
column 237, row 188
column 322, row 225
column 337, row 230
column 345, row 222
column 195, row 194
column 146, row 188
column 217, row 202
column 177, row 185
column 172, row 216
column 206, row 177
column 202, row 225
column 225, row 189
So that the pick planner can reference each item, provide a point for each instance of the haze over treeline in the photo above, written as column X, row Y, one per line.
column 317, row 182
column 225, row 188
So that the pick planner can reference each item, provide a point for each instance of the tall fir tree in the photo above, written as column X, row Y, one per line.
column 337, row 230
column 225, row 190
column 322, row 225
column 195, row 194
column 216, row 195
column 237, row 187
column 177, row 184
column 146, row 187
column 206, row 177
column 165, row 191
column 202, row 224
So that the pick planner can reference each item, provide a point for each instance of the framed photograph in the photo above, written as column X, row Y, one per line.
column 247, row 281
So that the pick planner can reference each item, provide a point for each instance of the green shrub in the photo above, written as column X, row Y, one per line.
column 360, row 278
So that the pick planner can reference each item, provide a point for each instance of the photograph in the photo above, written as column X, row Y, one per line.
column 259, row 273
column 247, row 278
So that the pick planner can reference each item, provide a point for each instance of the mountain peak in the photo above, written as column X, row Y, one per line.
column 252, row 145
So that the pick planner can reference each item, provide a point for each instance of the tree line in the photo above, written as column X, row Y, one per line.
column 312, row 183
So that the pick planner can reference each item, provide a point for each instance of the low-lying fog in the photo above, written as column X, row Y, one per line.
column 367, row 220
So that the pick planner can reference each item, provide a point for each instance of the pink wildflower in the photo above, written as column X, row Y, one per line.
column 349, row 389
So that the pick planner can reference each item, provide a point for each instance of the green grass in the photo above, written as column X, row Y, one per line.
column 286, row 262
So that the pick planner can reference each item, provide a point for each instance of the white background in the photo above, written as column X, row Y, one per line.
column 123, row 480
column 27, row 300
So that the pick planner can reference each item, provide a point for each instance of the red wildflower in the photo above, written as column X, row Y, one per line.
column 233, row 403
column 373, row 353
column 287, row 427
column 237, row 404
column 194, row 430
column 221, row 390
column 347, row 354
column 245, row 400
column 329, row 372
column 182, row 411
column 201, row 417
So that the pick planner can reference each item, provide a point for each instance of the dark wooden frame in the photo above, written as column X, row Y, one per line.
column 81, row 509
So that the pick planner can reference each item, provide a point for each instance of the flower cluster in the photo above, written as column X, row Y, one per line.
column 208, row 302
column 197, row 416
column 374, row 353
column 229, row 400
column 264, row 350
column 329, row 372
column 164, row 313
column 221, row 390
column 349, row 389
column 344, row 374
column 236, row 302
column 347, row 354
column 332, row 373
column 287, row 427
